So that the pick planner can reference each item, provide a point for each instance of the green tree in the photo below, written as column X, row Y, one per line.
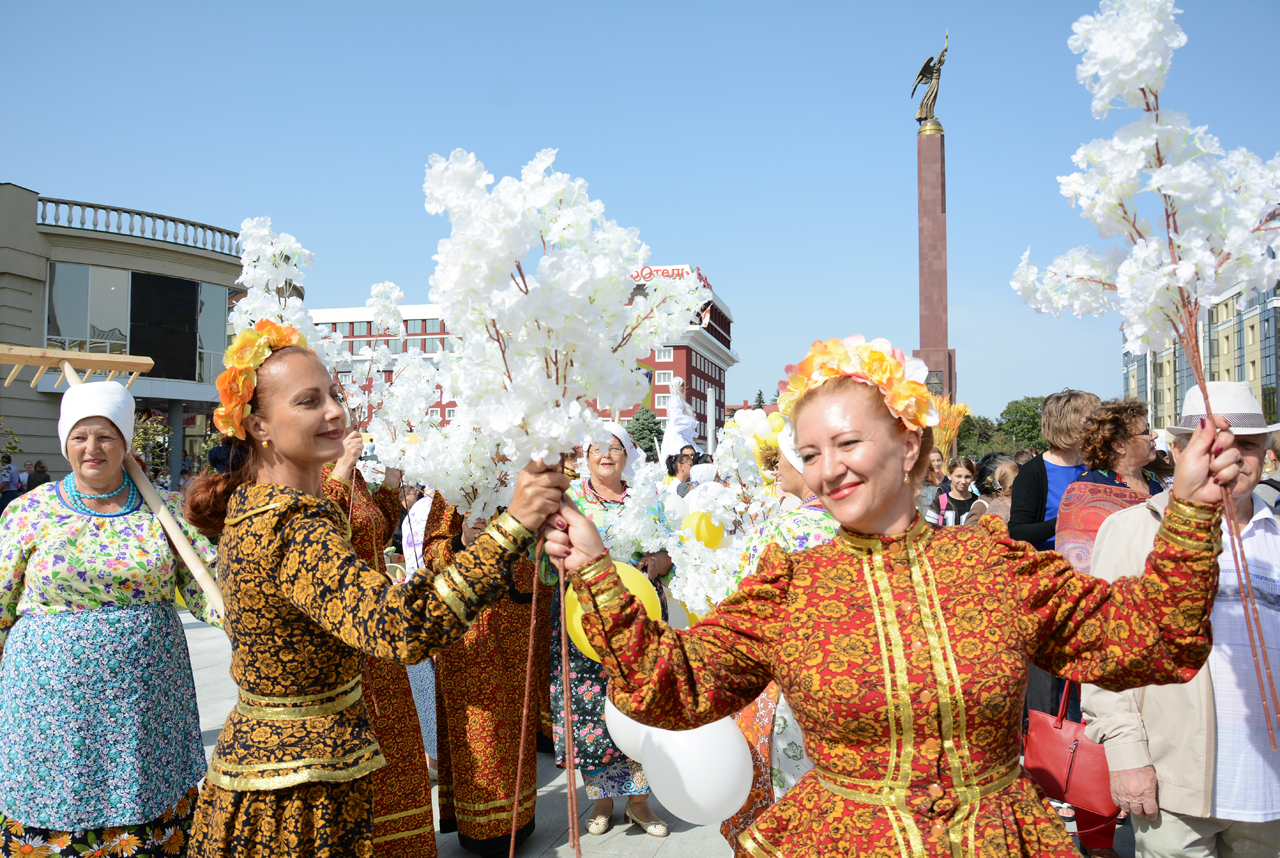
column 759, row 399
column 975, row 430
column 151, row 437
column 1020, row 422
column 9, row 441
column 646, row 432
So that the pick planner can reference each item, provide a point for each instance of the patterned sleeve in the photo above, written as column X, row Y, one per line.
column 387, row 502
column 1144, row 630
column 404, row 622
column 19, row 533
column 763, row 536
column 186, row 583
column 678, row 680
column 444, row 523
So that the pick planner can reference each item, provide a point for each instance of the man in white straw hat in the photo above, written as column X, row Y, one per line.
column 1192, row 763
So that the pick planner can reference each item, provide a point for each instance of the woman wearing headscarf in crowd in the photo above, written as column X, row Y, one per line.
column 101, row 740
column 1041, row 481
column 996, row 473
column 773, row 735
column 903, row 648
column 606, row 771
column 480, row 688
column 402, row 816
column 951, row 507
column 290, row 772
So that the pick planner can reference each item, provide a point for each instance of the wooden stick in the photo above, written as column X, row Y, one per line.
column 528, row 688
column 40, row 370
column 570, row 764
column 132, row 379
column 170, row 524
column 13, row 373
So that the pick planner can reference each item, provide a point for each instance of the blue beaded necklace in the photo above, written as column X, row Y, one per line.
column 76, row 498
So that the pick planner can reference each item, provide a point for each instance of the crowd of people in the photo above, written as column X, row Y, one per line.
column 888, row 629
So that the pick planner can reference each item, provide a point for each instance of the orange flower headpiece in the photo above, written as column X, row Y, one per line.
column 236, row 384
column 899, row 378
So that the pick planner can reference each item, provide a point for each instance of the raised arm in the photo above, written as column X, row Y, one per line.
column 661, row 676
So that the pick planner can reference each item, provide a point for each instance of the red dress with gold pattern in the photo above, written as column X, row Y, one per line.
column 905, row 660
column 403, row 822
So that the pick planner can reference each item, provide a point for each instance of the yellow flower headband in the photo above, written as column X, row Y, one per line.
column 236, row 384
column 899, row 378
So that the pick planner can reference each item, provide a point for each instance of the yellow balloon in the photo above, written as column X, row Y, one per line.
column 704, row 529
column 777, row 421
column 772, row 440
column 636, row 582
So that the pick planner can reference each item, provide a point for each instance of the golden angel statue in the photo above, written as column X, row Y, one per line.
column 931, row 74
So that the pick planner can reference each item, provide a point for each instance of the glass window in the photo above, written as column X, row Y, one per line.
column 449, row 412
column 415, row 326
column 109, row 307
column 435, row 413
column 430, row 346
column 663, row 377
column 446, row 344
column 68, row 305
column 213, row 336
column 433, row 326
column 660, row 401
column 664, row 354
column 163, row 323
column 361, row 329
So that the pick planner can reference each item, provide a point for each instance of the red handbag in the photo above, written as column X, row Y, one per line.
column 1066, row 765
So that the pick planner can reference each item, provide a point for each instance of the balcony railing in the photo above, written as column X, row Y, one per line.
column 138, row 224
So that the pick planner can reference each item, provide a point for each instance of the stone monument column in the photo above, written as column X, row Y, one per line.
column 931, row 167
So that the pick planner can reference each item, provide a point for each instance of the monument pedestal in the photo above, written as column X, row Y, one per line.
column 931, row 168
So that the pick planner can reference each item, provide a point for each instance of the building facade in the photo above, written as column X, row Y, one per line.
column 1237, row 338
column 88, row 277
column 702, row 355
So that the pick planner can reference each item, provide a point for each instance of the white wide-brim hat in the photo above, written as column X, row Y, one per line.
column 1233, row 400
column 106, row 399
column 787, row 446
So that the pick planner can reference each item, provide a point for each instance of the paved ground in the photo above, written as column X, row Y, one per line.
column 216, row 693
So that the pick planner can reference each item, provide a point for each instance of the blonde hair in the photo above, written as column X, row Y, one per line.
column 1062, row 418
column 1006, row 473
column 847, row 385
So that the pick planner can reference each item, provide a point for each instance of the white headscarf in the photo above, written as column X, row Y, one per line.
column 106, row 399
column 624, row 438
column 787, row 446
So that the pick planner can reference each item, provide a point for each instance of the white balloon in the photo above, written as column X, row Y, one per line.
column 763, row 430
column 627, row 733
column 675, row 508
column 702, row 776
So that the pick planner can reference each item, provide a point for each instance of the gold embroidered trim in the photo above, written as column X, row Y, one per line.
column 1189, row 544
column 611, row 595
column 525, row 795
column 1195, row 511
column 756, row 845
column 920, row 532
column 292, row 764
column 236, row 519
column 504, row 813
column 393, row 816
column 461, row 584
column 512, row 525
column 889, row 796
column 496, row 534
column 299, row 713
column 598, row 568
column 401, row 834
column 310, row 698
column 242, row 784
column 450, row 599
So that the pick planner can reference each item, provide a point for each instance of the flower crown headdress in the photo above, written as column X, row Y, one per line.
column 900, row 379
column 236, row 384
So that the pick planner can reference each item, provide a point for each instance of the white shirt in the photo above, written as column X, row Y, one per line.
column 1246, row 771
column 413, row 532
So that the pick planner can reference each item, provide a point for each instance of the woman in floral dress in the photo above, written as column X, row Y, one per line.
column 606, row 771
column 904, row 649
column 101, row 750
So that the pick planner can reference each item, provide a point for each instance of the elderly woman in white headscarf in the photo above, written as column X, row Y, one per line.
column 97, row 704
column 607, row 772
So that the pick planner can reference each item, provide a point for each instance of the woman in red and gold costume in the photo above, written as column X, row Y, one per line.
column 480, row 685
column 290, row 774
column 902, row 649
column 403, row 824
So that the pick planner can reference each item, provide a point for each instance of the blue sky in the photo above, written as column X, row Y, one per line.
column 771, row 144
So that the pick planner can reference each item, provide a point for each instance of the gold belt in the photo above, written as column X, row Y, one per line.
column 888, row 795
column 300, row 708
